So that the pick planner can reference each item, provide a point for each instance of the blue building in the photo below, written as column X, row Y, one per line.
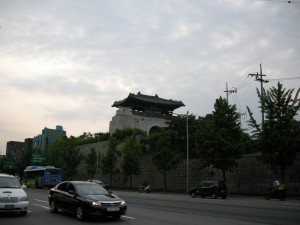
column 47, row 137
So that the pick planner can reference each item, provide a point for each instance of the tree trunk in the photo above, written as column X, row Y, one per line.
column 165, row 180
column 110, row 178
column 130, row 181
column 224, row 175
column 282, row 174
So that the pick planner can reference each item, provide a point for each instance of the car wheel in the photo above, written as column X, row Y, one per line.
column 213, row 195
column 53, row 207
column 193, row 194
column 23, row 213
column 80, row 213
column 117, row 217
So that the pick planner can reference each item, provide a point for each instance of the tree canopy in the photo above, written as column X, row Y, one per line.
column 279, row 137
column 64, row 154
column 91, row 162
column 164, row 154
column 131, row 152
column 220, row 138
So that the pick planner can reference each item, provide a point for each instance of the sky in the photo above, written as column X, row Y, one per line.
column 65, row 62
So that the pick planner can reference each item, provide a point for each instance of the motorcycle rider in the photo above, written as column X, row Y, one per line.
column 276, row 184
column 145, row 184
column 145, row 187
column 278, row 190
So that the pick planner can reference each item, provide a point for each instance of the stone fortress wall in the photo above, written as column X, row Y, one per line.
column 250, row 178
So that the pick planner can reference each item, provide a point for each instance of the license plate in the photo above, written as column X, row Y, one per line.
column 9, row 206
column 113, row 209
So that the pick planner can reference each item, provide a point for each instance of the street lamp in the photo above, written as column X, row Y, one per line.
column 187, row 151
column 187, row 148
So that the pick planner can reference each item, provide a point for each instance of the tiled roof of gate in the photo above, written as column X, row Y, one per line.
column 148, row 100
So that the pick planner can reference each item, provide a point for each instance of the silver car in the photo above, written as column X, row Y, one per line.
column 12, row 196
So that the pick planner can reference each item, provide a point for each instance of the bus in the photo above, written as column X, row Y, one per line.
column 42, row 176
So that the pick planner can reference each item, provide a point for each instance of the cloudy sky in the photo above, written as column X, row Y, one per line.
column 64, row 62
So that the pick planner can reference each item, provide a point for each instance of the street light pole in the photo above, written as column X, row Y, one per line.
column 187, row 147
column 97, row 158
column 187, row 151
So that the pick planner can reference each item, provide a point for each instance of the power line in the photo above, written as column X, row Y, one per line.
column 244, row 84
column 287, row 78
column 277, row 1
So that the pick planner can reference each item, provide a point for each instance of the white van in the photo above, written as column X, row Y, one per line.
column 12, row 196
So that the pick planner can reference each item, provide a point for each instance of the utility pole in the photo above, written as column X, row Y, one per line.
column 259, row 77
column 187, row 151
column 229, row 92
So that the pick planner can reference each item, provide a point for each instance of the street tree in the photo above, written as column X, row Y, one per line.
column 131, row 152
column 220, row 138
column 164, row 154
column 109, row 160
column 279, row 137
column 64, row 153
column 91, row 162
column 183, row 127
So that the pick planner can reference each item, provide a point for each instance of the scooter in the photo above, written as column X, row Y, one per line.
column 276, row 194
column 145, row 189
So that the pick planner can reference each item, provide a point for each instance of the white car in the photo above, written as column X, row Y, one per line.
column 12, row 196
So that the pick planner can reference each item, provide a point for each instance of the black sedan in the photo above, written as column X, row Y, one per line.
column 85, row 198
column 212, row 188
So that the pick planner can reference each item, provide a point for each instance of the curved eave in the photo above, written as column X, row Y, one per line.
column 148, row 101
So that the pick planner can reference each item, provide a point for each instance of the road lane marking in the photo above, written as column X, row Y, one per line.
column 129, row 217
column 45, row 207
column 40, row 200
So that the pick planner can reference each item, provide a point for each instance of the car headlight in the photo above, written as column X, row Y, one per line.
column 123, row 203
column 93, row 203
column 23, row 198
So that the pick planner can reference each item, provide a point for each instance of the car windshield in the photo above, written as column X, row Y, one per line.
column 9, row 182
column 90, row 189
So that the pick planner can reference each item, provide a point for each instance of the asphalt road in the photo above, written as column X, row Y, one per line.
column 158, row 209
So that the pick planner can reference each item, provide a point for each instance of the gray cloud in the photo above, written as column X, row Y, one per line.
column 66, row 62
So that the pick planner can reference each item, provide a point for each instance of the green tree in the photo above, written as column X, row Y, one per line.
column 25, row 161
column 164, row 155
column 64, row 154
column 109, row 160
column 181, row 127
column 220, row 138
column 91, row 162
column 131, row 152
column 279, row 137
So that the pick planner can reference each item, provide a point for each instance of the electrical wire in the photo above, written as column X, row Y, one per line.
column 277, row 1
column 281, row 79
column 245, row 83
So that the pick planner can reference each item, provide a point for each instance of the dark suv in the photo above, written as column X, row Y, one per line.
column 210, row 188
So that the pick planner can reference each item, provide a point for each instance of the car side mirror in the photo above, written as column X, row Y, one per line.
column 23, row 186
column 71, row 192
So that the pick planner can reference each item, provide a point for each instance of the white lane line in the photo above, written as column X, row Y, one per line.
column 40, row 200
column 129, row 217
column 45, row 207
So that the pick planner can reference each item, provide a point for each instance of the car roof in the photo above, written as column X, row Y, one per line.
column 78, row 182
column 6, row 175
